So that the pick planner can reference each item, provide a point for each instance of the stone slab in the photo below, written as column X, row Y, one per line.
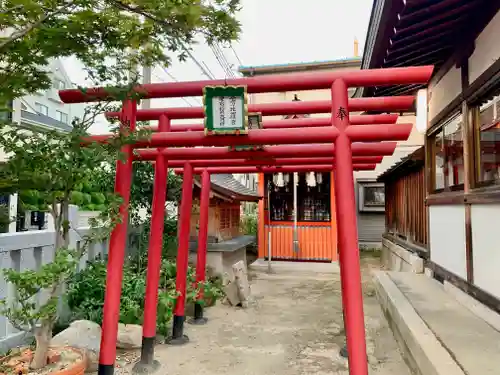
column 469, row 341
column 231, row 245
column 482, row 311
column 397, row 258
column 421, row 349
column 296, row 267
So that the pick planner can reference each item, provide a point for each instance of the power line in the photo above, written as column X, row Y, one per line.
column 206, row 66
column 203, row 70
column 236, row 55
column 175, row 80
column 229, row 66
column 170, row 75
column 221, row 58
column 224, row 58
column 218, row 59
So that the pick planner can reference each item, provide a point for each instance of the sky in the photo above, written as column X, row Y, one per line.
column 273, row 32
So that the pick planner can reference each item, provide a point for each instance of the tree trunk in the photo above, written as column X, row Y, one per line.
column 43, row 335
column 61, row 223
column 65, row 221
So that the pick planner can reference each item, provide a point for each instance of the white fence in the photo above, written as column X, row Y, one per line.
column 30, row 250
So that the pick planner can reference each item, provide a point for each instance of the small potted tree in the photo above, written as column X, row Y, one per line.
column 49, row 168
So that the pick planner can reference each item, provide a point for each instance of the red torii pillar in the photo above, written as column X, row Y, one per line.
column 116, row 254
column 147, row 362
column 201, row 259
column 350, row 272
column 178, row 337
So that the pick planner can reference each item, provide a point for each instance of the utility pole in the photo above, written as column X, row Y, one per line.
column 146, row 78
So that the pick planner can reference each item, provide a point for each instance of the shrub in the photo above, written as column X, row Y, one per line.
column 5, row 219
column 76, row 198
column 248, row 223
column 85, row 293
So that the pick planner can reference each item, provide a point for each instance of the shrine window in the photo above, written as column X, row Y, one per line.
column 313, row 197
column 487, row 140
column 225, row 218
column 279, row 189
column 447, row 155
column 235, row 216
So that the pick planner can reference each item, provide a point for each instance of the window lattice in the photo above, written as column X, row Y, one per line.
column 225, row 218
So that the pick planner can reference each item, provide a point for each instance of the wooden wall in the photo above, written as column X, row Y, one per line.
column 405, row 210
column 223, row 220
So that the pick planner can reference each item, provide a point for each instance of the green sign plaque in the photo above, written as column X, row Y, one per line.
column 226, row 109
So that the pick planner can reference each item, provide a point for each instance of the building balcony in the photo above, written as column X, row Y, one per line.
column 43, row 121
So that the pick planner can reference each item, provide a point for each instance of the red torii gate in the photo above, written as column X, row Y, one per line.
column 389, row 104
column 341, row 134
column 287, row 123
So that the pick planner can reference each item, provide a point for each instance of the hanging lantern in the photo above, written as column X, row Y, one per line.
column 279, row 180
column 286, row 178
column 319, row 178
column 310, row 179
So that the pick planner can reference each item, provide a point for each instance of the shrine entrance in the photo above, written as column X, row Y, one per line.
column 229, row 146
column 297, row 217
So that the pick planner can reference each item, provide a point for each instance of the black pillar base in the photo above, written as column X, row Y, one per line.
column 146, row 368
column 198, row 321
column 178, row 337
column 105, row 369
column 178, row 341
column 198, row 318
column 147, row 364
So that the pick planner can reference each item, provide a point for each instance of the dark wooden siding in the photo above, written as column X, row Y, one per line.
column 405, row 210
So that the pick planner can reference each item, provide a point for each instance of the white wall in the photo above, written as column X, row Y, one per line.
column 404, row 148
column 30, row 250
column 486, row 52
column 444, row 91
column 50, row 97
column 447, row 238
column 487, row 49
column 486, row 247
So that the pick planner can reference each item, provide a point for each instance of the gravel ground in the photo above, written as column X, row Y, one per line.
column 292, row 326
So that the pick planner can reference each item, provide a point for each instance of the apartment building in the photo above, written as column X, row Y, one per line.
column 40, row 111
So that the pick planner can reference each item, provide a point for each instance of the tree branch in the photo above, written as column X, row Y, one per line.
column 15, row 7
column 141, row 11
column 20, row 34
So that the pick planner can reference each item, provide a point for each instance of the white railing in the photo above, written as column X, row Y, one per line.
column 30, row 250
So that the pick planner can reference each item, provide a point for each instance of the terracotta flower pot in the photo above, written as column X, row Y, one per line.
column 76, row 368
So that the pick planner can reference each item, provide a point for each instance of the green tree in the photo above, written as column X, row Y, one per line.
column 5, row 218
column 141, row 190
column 141, row 193
column 45, row 169
column 110, row 38
column 103, row 33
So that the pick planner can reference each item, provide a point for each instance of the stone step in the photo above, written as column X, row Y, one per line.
column 437, row 333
